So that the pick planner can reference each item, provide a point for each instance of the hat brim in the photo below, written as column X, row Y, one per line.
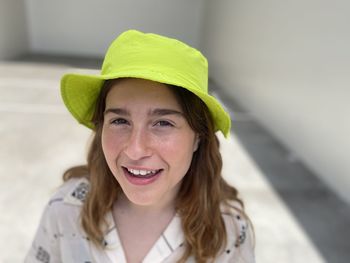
column 80, row 92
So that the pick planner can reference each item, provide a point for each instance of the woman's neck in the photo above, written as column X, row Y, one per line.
column 125, row 206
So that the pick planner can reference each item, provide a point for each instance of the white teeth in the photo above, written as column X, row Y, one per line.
column 141, row 172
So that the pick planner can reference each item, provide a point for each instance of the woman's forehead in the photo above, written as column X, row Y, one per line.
column 140, row 92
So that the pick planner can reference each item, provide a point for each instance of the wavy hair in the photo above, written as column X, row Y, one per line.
column 201, row 194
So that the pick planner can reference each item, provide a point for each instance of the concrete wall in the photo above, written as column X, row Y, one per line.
column 13, row 31
column 86, row 27
column 288, row 63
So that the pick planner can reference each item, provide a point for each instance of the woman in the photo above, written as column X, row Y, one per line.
column 152, row 189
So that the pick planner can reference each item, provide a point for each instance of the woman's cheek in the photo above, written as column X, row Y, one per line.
column 109, row 144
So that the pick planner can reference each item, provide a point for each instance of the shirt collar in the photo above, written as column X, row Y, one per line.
column 171, row 239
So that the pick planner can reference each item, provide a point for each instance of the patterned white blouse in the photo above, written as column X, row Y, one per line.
column 60, row 238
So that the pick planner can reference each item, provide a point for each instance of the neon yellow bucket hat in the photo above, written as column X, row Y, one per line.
column 147, row 56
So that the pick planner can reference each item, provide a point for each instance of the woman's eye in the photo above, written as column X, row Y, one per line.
column 164, row 124
column 119, row 121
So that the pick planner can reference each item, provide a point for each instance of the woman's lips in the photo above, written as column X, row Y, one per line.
column 141, row 176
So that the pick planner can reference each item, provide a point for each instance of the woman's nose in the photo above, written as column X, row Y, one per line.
column 137, row 146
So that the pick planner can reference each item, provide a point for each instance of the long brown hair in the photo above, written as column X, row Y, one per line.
column 202, row 192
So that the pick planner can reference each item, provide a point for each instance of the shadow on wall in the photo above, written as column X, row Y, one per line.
column 324, row 217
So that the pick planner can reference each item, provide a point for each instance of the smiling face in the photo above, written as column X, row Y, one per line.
column 146, row 140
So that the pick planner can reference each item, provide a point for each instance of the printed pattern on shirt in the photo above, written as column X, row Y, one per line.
column 81, row 191
column 242, row 231
column 42, row 255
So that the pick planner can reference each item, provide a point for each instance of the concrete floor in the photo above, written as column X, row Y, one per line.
column 296, row 217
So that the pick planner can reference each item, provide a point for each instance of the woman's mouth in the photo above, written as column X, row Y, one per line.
column 142, row 173
column 141, row 176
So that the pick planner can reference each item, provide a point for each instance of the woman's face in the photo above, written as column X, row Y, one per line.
column 147, row 141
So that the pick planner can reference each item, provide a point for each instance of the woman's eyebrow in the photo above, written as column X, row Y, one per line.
column 118, row 111
column 162, row 112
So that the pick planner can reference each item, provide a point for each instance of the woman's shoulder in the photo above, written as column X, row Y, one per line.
column 237, row 223
column 240, row 234
column 59, row 235
column 64, row 207
column 233, row 209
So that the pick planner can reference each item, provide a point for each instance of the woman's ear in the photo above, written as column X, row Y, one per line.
column 196, row 143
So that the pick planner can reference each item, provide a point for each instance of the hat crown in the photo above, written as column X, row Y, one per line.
column 166, row 58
